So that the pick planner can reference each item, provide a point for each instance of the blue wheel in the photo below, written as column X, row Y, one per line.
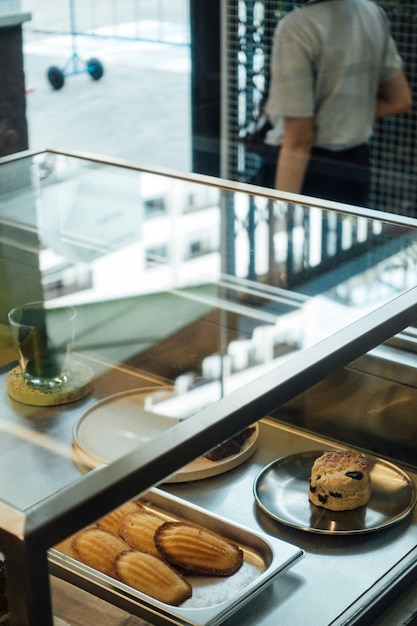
column 95, row 69
column 56, row 77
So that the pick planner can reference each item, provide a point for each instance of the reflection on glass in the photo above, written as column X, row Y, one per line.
column 226, row 284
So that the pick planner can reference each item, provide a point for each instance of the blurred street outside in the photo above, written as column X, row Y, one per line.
column 139, row 110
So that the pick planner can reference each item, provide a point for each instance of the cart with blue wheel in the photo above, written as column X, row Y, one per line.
column 75, row 65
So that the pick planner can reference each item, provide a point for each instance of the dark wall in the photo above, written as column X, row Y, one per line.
column 205, row 86
column 13, row 124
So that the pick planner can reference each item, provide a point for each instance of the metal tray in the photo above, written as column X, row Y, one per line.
column 214, row 598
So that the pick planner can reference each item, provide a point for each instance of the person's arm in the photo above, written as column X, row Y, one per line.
column 393, row 97
column 295, row 153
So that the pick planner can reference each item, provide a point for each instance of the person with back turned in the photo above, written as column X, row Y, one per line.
column 334, row 69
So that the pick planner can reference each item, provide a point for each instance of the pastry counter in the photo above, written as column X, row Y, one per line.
column 178, row 352
column 358, row 570
column 340, row 564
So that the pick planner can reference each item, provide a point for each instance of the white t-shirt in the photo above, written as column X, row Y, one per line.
column 328, row 59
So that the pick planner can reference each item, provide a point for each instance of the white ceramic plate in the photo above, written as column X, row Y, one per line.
column 113, row 427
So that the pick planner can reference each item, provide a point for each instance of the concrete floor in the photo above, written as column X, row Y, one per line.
column 138, row 111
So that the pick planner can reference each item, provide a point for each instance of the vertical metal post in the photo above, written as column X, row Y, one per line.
column 28, row 590
column 227, row 209
column 251, row 238
column 73, row 35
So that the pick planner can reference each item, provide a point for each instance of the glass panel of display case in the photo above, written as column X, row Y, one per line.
column 201, row 305
column 190, row 284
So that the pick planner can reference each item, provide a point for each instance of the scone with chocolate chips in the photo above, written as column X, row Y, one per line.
column 340, row 480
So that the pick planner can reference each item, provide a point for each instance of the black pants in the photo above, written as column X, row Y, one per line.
column 342, row 176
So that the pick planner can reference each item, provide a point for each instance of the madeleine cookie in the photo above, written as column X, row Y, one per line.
column 65, row 546
column 99, row 549
column 197, row 550
column 138, row 530
column 152, row 576
column 111, row 521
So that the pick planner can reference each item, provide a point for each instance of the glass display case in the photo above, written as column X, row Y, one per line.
column 197, row 320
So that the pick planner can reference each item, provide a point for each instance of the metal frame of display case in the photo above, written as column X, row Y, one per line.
column 26, row 536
